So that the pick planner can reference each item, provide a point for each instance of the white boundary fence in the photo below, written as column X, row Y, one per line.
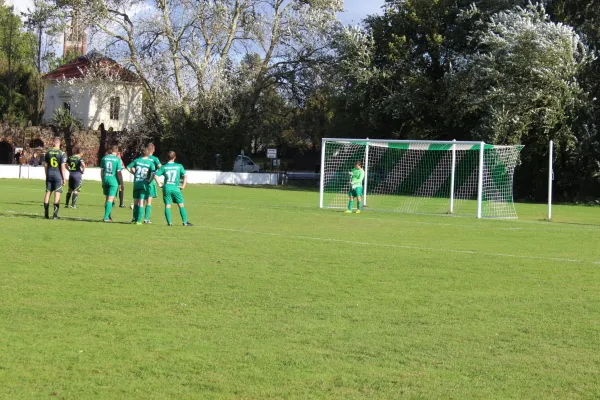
column 201, row 177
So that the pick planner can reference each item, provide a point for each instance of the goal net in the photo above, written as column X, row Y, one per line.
column 430, row 177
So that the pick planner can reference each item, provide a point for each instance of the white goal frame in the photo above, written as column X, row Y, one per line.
column 453, row 143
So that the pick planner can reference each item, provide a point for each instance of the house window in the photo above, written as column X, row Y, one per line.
column 67, row 106
column 115, row 105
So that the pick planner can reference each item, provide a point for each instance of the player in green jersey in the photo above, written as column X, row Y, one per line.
column 112, row 179
column 143, row 170
column 153, row 191
column 56, row 173
column 172, row 188
column 76, row 167
column 356, row 187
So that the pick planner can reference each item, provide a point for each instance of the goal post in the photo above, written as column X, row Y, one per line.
column 431, row 177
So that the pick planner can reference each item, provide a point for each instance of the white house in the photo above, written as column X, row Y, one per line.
column 97, row 90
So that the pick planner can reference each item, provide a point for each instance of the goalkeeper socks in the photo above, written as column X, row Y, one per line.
column 135, row 212
column 350, row 204
column 75, row 196
column 56, row 207
column 121, row 195
column 360, row 205
column 46, row 206
column 183, row 215
column 168, row 215
column 148, row 212
column 107, row 209
column 68, row 198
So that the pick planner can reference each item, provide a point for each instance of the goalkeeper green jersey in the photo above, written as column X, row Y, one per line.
column 110, row 164
column 144, row 167
column 358, row 174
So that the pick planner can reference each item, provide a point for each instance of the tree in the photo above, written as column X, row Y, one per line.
column 17, row 73
column 520, row 86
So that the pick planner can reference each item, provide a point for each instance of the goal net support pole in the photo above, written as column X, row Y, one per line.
column 366, row 180
column 550, row 177
column 445, row 177
column 322, row 175
column 452, row 177
column 480, row 179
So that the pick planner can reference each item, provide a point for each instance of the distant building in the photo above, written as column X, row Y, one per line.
column 97, row 90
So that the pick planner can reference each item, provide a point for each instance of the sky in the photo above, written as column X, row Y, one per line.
column 20, row 5
column 356, row 10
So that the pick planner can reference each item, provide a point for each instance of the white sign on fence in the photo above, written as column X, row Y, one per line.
column 271, row 153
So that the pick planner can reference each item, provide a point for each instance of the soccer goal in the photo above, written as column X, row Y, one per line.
column 429, row 177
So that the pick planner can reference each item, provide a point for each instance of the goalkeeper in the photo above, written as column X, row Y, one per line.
column 356, row 187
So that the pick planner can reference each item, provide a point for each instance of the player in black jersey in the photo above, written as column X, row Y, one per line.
column 55, row 168
column 76, row 167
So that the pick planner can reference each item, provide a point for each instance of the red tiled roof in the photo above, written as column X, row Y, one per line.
column 78, row 68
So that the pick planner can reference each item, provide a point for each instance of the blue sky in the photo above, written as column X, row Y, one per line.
column 356, row 10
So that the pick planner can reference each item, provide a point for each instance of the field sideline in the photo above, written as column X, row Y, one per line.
column 270, row 297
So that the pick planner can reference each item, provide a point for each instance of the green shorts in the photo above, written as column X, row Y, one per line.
column 356, row 192
column 152, row 191
column 110, row 190
column 172, row 196
column 141, row 193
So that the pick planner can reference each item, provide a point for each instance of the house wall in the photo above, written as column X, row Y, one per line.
column 90, row 103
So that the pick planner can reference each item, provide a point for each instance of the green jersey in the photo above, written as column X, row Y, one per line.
column 110, row 165
column 157, row 165
column 358, row 174
column 156, row 162
column 144, row 169
column 172, row 173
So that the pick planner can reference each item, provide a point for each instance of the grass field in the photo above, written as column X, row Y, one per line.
column 271, row 297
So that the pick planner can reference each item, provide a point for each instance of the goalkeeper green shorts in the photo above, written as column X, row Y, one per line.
column 356, row 191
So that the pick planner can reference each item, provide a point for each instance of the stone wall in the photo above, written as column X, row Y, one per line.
column 37, row 139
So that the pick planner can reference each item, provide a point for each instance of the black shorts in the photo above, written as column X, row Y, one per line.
column 75, row 182
column 54, row 184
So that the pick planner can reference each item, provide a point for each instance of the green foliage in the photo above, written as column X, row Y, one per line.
column 64, row 121
column 19, row 79
column 522, row 79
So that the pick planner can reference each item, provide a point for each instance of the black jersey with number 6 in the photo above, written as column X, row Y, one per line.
column 54, row 159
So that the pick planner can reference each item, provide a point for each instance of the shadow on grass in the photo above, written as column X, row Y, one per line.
column 62, row 218
column 41, row 204
column 285, row 188
column 23, row 203
column 571, row 223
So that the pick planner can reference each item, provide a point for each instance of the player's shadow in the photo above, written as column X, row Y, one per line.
column 62, row 218
column 22, row 203
column 22, row 215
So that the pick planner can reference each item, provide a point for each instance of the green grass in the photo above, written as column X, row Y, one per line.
column 270, row 297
